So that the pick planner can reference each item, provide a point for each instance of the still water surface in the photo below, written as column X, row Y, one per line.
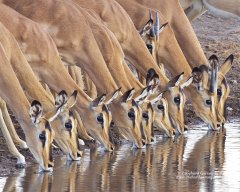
column 197, row 161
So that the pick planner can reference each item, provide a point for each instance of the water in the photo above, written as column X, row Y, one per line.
column 198, row 161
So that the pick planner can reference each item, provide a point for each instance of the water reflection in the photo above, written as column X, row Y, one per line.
column 199, row 160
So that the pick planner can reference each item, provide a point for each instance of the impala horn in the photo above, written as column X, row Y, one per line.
column 156, row 27
column 150, row 14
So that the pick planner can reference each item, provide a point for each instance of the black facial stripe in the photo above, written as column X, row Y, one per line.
column 225, row 113
column 50, row 154
column 43, row 140
column 78, row 145
column 71, row 114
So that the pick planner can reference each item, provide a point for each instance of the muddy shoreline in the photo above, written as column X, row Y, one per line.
column 217, row 36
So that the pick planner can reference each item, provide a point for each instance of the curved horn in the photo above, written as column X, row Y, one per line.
column 157, row 25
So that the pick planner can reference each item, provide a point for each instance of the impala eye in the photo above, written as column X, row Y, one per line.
column 219, row 92
column 100, row 119
column 42, row 136
column 145, row 115
column 209, row 102
column 68, row 125
column 131, row 114
column 160, row 107
column 177, row 100
column 150, row 48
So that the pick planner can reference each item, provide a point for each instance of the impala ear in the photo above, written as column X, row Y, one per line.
column 98, row 101
column 162, row 27
column 61, row 99
column 113, row 97
column 127, row 95
column 175, row 81
column 227, row 65
column 147, row 26
column 187, row 83
column 143, row 95
column 155, row 99
column 151, row 72
column 52, row 115
column 72, row 100
column 200, row 77
column 35, row 111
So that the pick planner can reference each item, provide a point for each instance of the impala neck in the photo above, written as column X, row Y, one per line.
column 181, row 26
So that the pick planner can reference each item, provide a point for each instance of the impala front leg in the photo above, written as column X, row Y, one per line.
column 11, row 146
column 10, row 126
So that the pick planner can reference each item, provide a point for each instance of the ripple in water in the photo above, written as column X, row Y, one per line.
column 197, row 161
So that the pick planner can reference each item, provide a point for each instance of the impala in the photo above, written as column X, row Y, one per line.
column 174, row 14
column 223, row 8
column 39, row 134
column 103, row 80
column 34, row 90
column 158, row 40
column 95, row 117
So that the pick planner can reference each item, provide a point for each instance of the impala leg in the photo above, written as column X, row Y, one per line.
column 11, row 146
column 8, row 122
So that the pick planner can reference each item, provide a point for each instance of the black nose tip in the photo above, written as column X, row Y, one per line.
column 112, row 123
column 152, row 140
column 218, row 125
column 68, row 125
column 50, row 165
column 174, row 132
column 112, row 148
column 79, row 155
column 143, row 142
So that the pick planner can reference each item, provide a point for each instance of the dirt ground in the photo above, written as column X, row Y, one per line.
column 217, row 36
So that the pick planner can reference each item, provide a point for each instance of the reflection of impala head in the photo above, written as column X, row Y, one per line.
column 223, row 90
column 150, row 35
column 173, row 93
column 204, row 95
column 127, row 116
column 42, row 148
column 69, row 140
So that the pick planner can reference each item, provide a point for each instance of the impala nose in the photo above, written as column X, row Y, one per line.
column 112, row 123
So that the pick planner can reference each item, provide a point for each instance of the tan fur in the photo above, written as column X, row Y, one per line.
column 20, row 109
column 116, row 19
column 60, row 79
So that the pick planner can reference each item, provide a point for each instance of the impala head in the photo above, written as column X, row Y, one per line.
column 173, row 93
column 147, row 114
column 223, row 89
column 98, row 118
column 204, row 93
column 44, row 134
column 162, row 120
column 69, row 140
column 150, row 34
column 127, row 116
column 176, row 101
